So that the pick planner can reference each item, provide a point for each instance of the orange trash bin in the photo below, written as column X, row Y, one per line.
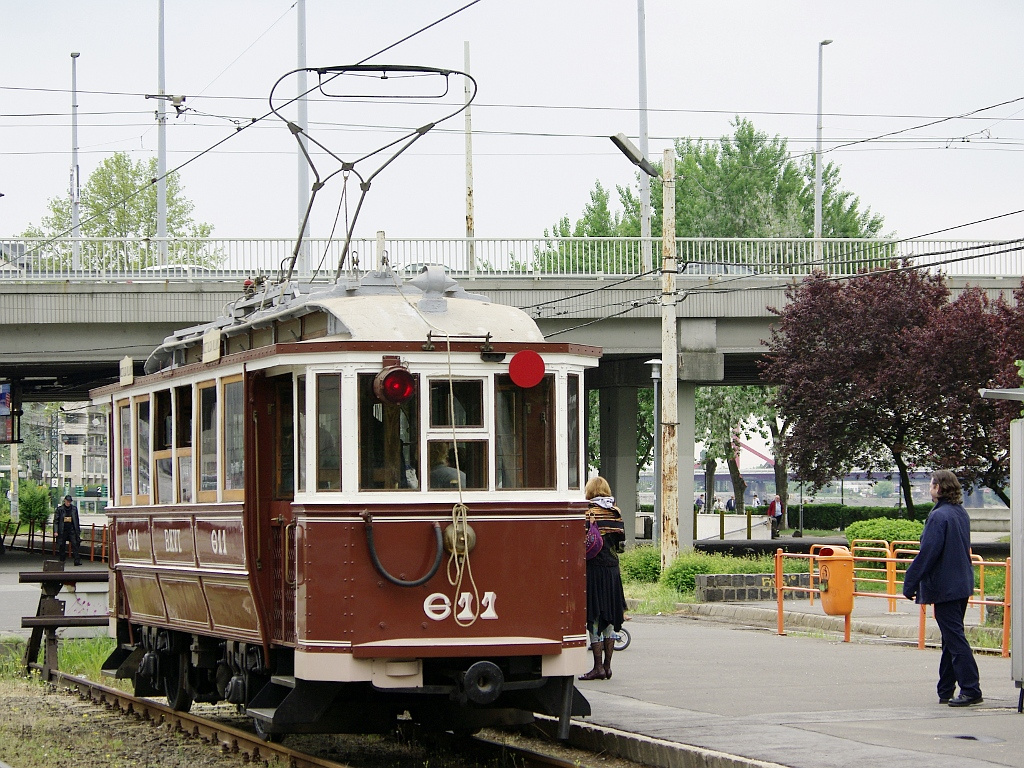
column 835, row 580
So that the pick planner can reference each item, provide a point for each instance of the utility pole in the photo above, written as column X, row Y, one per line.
column 817, row 167
column 669, row 368
column 302, row 262
column 161, row 152
column 470, row 215
column 75, row 189
column 646, row 263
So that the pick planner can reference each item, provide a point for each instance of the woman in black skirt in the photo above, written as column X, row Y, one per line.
column 606, row 601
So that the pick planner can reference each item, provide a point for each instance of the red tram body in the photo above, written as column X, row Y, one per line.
column 334, row 508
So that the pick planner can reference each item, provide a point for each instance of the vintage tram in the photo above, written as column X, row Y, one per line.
column 333, row 508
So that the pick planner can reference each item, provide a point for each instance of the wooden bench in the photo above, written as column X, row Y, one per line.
column 50, row 612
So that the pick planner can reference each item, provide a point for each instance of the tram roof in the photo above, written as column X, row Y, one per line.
column 399, row 318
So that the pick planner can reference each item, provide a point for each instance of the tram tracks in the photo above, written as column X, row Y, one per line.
column 228, row 739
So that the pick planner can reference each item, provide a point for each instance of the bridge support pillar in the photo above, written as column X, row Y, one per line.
column 618, row 449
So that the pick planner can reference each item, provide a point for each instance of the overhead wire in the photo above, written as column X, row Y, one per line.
column 238, row 129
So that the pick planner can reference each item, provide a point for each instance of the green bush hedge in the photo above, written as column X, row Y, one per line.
column 834, row 516
column 838, row 516
column 681, row 575
column 885, row 529
column 641, row 564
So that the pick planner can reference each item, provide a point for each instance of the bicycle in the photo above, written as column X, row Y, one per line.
column 622, row 639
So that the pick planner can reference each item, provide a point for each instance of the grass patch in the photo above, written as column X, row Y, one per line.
column 76, row 656
column 653, row 598
column 11, row 652
column 84, row 656
column 658, row 591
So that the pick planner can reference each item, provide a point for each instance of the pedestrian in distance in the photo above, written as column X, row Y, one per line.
column 942, row 576
column 730, row 505
column 775, row 515
column 606, row 602
column 756, row 502
column 698, row 505
column 69, row 530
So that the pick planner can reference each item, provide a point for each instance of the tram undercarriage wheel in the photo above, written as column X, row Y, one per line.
column 174, row 671
column 261, row 731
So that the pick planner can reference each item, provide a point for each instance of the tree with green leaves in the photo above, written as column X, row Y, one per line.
column 119, row 200
column 724, row 415
column 744, row 185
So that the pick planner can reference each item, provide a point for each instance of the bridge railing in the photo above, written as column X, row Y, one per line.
column 206, row 259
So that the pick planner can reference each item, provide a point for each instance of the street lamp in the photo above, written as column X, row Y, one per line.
column 817, row 163
column 669, row 347
column 646, row 261
column 76, row 232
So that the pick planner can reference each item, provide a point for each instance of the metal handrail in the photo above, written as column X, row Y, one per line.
column 225, row 259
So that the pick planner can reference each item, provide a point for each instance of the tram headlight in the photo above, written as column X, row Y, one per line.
column 394, row 385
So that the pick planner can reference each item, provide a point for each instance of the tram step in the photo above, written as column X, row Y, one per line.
column 266, row 714
column 288, row 681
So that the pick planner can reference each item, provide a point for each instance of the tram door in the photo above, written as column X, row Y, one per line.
column 275, row 481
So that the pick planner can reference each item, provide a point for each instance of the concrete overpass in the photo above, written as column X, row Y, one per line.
column 65, row 331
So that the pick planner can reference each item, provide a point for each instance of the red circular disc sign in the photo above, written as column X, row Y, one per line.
column 526, row 368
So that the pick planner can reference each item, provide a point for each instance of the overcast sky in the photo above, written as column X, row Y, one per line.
column 556, row 78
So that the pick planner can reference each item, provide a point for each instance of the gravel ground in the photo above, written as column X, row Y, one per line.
column 42, row 727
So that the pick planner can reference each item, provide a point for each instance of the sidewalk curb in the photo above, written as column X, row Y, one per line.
column 749, row 614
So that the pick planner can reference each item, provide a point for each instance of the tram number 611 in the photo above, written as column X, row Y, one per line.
column 219, row 541
column 438, row 606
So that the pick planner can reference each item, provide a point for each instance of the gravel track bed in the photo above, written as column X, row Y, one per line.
column 43, row 727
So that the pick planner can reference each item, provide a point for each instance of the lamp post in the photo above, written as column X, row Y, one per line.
column 76, row 232
column 646, row 262
column 669, row 368
column 161, row 146
column 817, row 164
column 669, row 487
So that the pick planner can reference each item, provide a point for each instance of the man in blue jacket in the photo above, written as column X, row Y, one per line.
column 942, row 575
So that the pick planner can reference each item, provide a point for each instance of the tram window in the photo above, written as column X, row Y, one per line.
column 162, row 421
column 125, row 428
column 164, row 480
column 465, row 398
column 284, row 438
column 525, row 432
column 389, row 440
column 183, row 433
column 328, row 432
column 572, row 412
column 447, row 468
column 234, row 439
column 143, row 437
column 207, row 442
column 300, row 430
column 185, row 479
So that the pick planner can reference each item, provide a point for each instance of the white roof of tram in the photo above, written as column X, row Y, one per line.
column 398, row 318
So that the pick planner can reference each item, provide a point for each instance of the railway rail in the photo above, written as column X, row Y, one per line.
column 229, row 739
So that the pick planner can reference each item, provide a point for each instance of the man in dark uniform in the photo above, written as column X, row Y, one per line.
column 942, row 575
column 65, row 519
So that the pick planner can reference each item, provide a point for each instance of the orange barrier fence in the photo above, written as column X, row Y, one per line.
column 884, row 563
column 94, row 541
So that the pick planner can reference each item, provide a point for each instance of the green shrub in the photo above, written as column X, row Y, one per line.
column 33, row 504
column 885, row 529
column 838, row 517
column 641, row 564
column 681, row 574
